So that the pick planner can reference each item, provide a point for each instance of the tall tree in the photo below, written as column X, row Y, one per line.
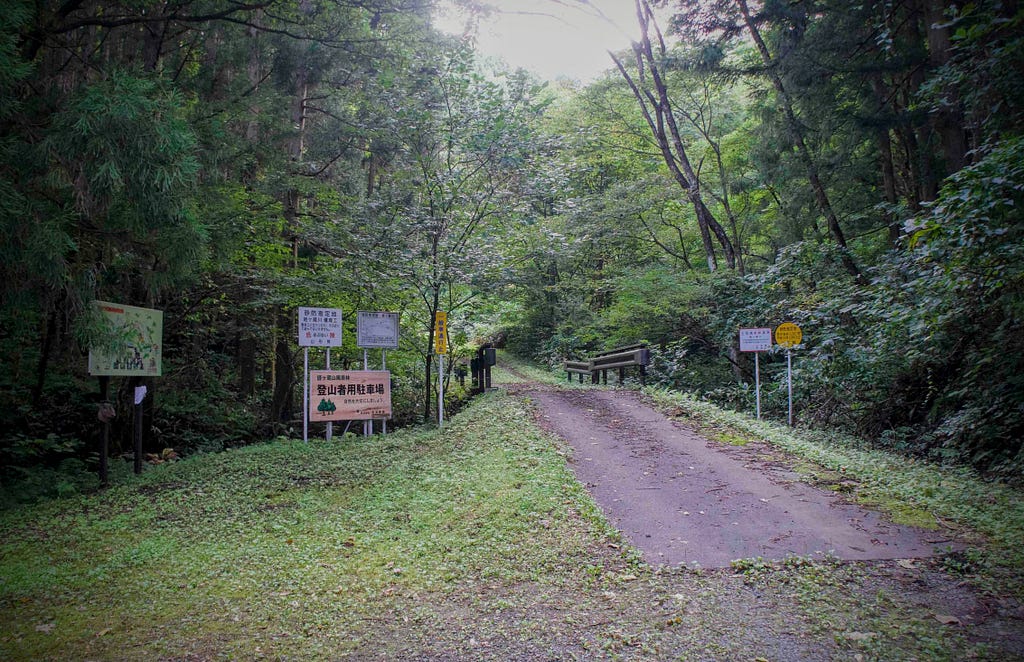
column 647, row 80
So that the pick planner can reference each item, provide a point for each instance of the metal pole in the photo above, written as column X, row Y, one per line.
column 305, row 394
column 106, row 409
column 330, row 425
column 384, row 366
column 440, row 391
column 138, row 430
column 789, row 383
column 757, row 383
column 367, row 425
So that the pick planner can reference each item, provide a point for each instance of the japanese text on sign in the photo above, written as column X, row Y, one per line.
column 376, row 330
column 349, row 395
column 319, row 327
column 755, row 340
column 788, row 335
column 441, row 332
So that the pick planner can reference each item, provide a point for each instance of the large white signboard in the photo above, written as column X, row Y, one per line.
column 319, row 327
column 376, row 330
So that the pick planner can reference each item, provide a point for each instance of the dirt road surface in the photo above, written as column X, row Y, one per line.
column 682, row 499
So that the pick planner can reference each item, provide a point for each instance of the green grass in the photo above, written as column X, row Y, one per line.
column 274, row 547
column 471, row 543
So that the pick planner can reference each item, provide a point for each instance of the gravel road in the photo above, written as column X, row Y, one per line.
column 682, row 499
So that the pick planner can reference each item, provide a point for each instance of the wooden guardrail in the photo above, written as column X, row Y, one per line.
column 619, row 358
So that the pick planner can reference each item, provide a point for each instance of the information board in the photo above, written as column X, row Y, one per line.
column 349, row 395
column 377, row 330
column 788, row 335
column 755, row 340
column 138, row 347
column 319, row 327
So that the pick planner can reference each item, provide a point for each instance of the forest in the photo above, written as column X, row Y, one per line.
column 855, row 168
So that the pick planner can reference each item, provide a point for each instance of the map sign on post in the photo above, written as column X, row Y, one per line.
column 376, row 330
column 319, row 327
column 138, row 352
column 755, row 340
column 788, row 335
column 441, row 332
column 349, row 395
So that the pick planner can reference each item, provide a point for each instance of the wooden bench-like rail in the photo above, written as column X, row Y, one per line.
column 619, row 358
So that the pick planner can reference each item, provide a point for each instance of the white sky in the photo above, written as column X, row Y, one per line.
column 549, row 38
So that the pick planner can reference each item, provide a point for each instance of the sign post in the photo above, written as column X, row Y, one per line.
column 137, row 351
column 441, row 349
column 318, row 327
column 376, row 330
column 789, row 335
column 756, row 341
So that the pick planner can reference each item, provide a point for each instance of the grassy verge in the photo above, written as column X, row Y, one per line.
column 278, row 548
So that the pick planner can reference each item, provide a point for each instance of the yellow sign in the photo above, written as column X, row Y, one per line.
column 440, row 332
column 788, row 335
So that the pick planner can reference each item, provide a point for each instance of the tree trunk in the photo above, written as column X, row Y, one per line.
column 656, row 107
column 820, row 194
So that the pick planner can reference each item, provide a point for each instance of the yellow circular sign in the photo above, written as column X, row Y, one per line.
column 788, row 335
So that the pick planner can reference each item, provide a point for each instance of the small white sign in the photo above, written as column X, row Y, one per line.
column 376, row 330
column 319, row 327
column 755, row 340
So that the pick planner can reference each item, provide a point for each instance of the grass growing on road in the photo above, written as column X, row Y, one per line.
column 911, row 491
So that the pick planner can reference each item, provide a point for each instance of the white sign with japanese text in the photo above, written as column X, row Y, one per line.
column 755, row 340
column 376, row 330
column 319, row 327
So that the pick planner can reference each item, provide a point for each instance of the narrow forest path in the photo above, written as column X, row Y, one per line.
column 682, row 499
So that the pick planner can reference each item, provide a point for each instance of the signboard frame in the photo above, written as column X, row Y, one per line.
column 349, row 395
column 142, row 331
column 320, row 327
column 377, row 329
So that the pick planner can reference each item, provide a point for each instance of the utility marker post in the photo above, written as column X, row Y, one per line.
column 756, row 341
column 789, row 335
column 441, row 349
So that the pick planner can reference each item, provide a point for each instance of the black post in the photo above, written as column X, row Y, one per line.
column 106, row 411
column 138, row 429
